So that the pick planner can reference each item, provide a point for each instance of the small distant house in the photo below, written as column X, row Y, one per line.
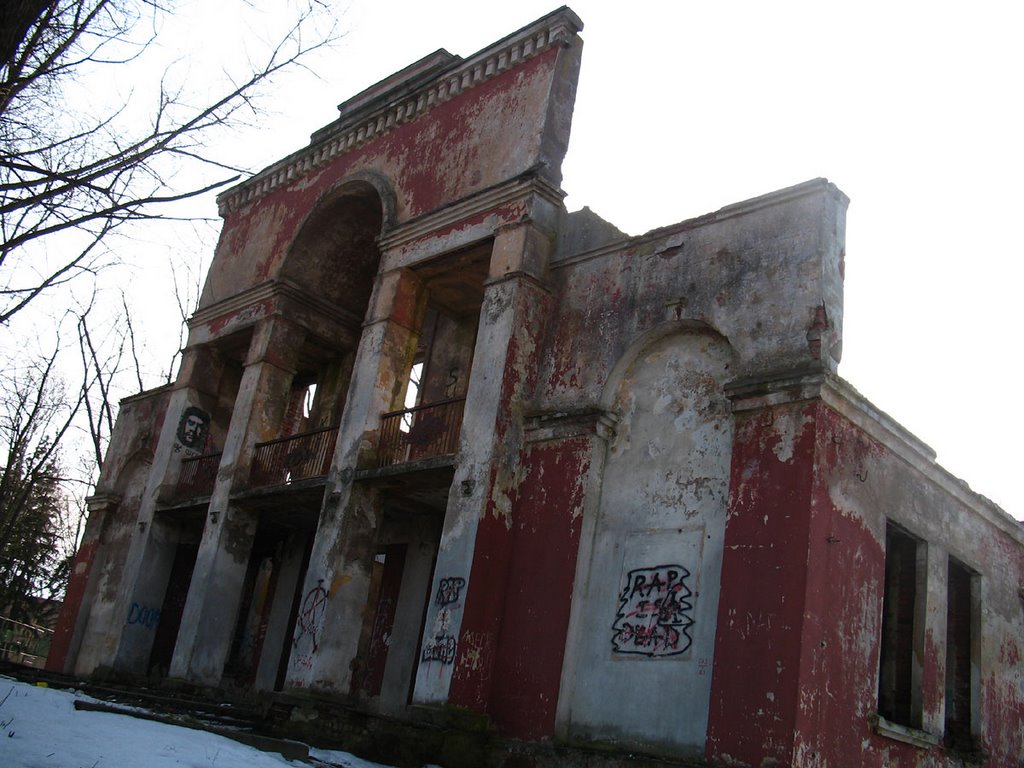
column 27, row 641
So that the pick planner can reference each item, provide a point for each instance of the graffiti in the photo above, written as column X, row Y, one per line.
column 441, row 648
column 449, row 589
column 451, row 387
column 307, row 624
column 653, row 617
column 143, row 615
column 193, row 429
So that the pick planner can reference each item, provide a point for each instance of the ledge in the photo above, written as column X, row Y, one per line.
column 441, row 461
column 906, row 734
column 561, row 425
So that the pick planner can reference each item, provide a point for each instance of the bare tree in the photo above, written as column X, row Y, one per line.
column 61, row 175
column 55, row 421
column 69, row 179
column 37, row 520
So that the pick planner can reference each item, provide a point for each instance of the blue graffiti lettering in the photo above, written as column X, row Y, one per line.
column 144, row 615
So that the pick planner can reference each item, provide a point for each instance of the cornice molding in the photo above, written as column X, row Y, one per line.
column 675, row 232
column 363, row 119
column 514, row 190
column 274, row 290
column 102, row 502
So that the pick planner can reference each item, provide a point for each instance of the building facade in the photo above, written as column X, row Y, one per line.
column 439, row 447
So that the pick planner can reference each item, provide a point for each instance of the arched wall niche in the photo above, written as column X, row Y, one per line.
column 334, row 256
column 646, row 340
column 641, row 641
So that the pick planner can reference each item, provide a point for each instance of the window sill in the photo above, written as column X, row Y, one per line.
column 906, row 734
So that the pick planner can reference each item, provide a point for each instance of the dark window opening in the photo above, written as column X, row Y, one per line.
column 899, row 678
column 385, row 587
column 960, row 636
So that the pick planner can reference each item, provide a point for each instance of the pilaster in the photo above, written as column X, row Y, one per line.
column 74, row 612
column 477, row 536
column 338, row 578
column 208, row 620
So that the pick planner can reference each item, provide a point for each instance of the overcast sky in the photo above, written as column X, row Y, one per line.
column 911, row 108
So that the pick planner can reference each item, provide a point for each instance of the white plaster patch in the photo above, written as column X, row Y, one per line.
column 788, row 429
column 661, row 404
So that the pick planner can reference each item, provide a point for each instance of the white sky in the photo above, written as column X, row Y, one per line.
column 911, row 108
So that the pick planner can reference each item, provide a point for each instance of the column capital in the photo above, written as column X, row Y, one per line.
column 277, row 341
column 521, row 248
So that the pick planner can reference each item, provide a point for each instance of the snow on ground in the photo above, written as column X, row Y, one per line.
column 40, row 728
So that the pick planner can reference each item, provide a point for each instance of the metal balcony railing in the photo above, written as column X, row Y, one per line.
column 298, row 457
column 420, row 432
column 198, row 475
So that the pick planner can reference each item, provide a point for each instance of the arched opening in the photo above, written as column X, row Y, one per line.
column 334, row 257
column 333, row 263
column 642, row 633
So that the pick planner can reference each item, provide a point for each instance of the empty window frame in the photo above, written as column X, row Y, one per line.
column 962, row 676
column 902, row 648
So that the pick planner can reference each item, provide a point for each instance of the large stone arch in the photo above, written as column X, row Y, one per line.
column 334, row 256
column 641, row 640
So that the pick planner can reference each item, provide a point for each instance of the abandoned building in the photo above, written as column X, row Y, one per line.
column 442, row 452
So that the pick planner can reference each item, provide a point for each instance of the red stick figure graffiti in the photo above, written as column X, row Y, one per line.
column 307, row 624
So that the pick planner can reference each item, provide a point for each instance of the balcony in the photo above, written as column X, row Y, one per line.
column 421, row 432
column 197, row 476
column 289, row 459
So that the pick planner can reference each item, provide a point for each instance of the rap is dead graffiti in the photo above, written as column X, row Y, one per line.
column 449, row 589
column 442, row 645
column 653, row 617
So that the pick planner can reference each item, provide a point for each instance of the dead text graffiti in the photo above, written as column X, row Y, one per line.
column 653, row 617
column 440, row 648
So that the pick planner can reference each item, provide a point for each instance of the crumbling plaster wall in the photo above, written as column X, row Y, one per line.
column 485, row 135
column 96, row 576
column 646, row 600
column 754, row 288
column 766, row 274
column 867, row 472
column 817, row 473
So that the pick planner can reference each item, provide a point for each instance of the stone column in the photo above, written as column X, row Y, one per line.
column 208, row 621
column 68, row 634
column 338, row 578
column 477, row 536
column 289, row 572
column 761, row 640
column 110, row 639
column 554, row 514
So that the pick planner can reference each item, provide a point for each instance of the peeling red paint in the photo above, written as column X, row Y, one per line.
column 242, row 317
column 79, row 579
column 755, row 684
column 451, row 151
column 517, row 609
column 831, row 684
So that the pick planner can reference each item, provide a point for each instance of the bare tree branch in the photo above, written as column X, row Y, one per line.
column 57, row 177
